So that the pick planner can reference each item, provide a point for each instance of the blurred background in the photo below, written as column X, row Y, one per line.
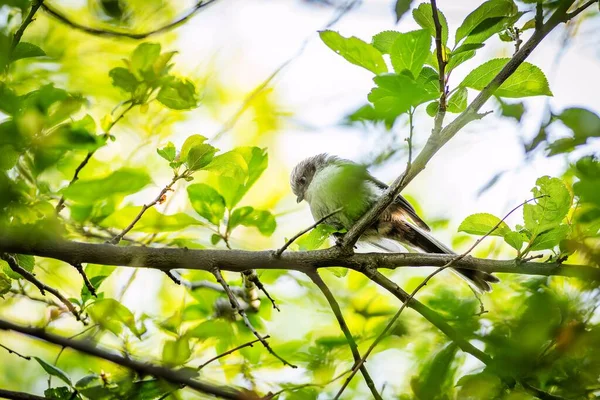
column 264, row 78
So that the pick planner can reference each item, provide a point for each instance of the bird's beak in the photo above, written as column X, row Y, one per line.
column 300, row 198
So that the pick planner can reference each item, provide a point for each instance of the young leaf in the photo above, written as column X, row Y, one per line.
column 423, row 15
column 26, row 50
column 457, row 103
column 482, row 223
column 487, row 11
column 54, row 371
column 168, row 152
column 401, row 7
column 514, row 240
column 395, row 94
column 459, row 58
column 191, row 141
column 467, row 47
column 200, row 156
column 112, row 315
column 383, row 41
column 248, row 216
column 436, row 375
column 315, row 238
column 355, row 51
column 527, row 80
column 550, row 238
column 207, row 202
column 410, row 50
column 121, row 182
column 432, row 108
column 122, row 78
column 584, row 123
column 5, row 284
column 550, row 210
column 178, row 94
column 176, row 352
column 144, row 56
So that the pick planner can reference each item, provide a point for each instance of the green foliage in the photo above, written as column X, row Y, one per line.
column 54, row 371
column 113, row 316
column 484, row 224
column 207, row 202
column 355, row 51
column 119, row 183
column 151, row 222
column 583, row 125
column 263, row 220
column 409, row 51
column 26, row 50
column 423, row 15
column 434, row 381
column 527, row 80
column 484, row 21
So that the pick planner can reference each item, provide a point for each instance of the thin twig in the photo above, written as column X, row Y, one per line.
column 252, row 276
column 86, row 280
column 419, row 287
column 145, row 207
column 108, row 33
column 35, row 5
column 43, row 288
column 249, row 344
column 287, row 244
column 62, row 349
column 335, row 307
column 142, row 368
column 575, row 13
column 11, row 351
column 235, row 305
column 271, row 396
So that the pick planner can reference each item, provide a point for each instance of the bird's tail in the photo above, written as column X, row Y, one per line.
column 417, row 237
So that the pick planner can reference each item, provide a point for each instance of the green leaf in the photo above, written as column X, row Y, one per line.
column 457, row 103
column 214, row 328
column 549, row 211
column 584, row 123
column 467, row 47
column 483, row 385
column 512, row 110
column 410, row 50
column 9, row 101
column 168, row 152
column 124, row 79
column 423, row 15
column 436, row 375
column 191, row 141
column 401, row 7
column 121, row 182
column 550, row 239
column 207, row 202
column 112, row 315
column 26, row 262
column 395, row 94
column 458, row 59
column 338, row 272
column 76, row 135
column 26, row 50
column 383, row 41
column 59, row 393
column 515, row 240
column 482, row 224
column 432, row 108
column 527, row 80
column 151, row 222
column 176, row 352
column 9, row 158
column 88, row 381
column 477, row 21
column 144, row 56
column 178, row 94
column 200, row 156
column 315, row 238
column 5, row 284
column 248, row 216
column 54, row 371
column 355, row 51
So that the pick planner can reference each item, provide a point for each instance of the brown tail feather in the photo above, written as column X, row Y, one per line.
column 416, row 238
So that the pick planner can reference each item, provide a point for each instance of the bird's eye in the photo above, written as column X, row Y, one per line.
column 303, row 180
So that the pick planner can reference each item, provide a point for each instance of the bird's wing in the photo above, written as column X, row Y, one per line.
column 402, row 206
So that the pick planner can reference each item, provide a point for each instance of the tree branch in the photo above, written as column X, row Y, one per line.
column 335, row 307
column 11, row 351
column 140, row 367
column 108, row 33
column 436, row 142
column 9, row 394
column 236, row 307
column 252, row 277
column 164, row 258
column 43, row 288
column 35, row 5
column 228, row 352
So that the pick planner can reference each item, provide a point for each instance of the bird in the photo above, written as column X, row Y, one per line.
column 329, row 183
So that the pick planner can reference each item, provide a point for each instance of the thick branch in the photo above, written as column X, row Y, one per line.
column 9, row 394
column 436, row 142
column 241, row 260
column 140, row 367
column 109, row 33
column 335, row 307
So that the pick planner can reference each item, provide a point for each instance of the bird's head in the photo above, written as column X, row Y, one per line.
column 303, row 173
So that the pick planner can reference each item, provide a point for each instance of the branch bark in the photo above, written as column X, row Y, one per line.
column 241, row 260
column 140, row 367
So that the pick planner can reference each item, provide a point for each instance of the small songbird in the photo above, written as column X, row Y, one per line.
column 329, row 183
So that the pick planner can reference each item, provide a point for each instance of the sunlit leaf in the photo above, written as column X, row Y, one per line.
column 144, row 56
column 550, row 239
column 355, row 51
column 207, row 202
column 423, row 15
column 26, row 50
column 178, row 94
column 168, row 152
column 263, row 220
column 54, row 371
column 410, row 50
column 527, row 80
column 176, row 352
column 152, row 220
column 383, row 41
column 200, row 156
column 112, row 315
column 478, row 20
column 550, row 210
column 401, row 7
column 482, row 224
column 457, row 103
column 122, row 78
column 121, row 182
